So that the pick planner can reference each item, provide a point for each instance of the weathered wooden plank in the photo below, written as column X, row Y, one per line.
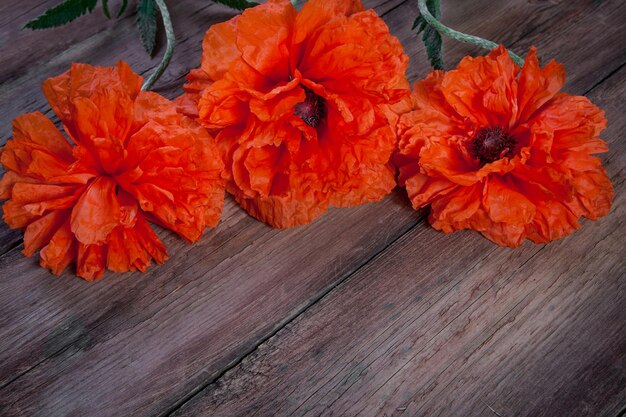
column 23, row 50
column 9, row 238
column 453, row 325
column 169, row 330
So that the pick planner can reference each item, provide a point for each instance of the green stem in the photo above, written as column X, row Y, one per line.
column 459, row 36
column 169, row 50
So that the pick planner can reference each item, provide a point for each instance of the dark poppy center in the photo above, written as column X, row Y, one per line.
column 312, row 110
column 490, row 144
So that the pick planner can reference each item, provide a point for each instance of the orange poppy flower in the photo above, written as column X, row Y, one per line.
column 299, row 103
column 133, row 159
column 506, row 155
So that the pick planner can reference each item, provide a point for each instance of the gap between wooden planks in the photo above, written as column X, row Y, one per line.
column 106, row 316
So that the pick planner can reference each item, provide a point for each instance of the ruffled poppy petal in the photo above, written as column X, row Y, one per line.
column 454, row 210
column 263, row 34
column 593, row 193
column 37, row 150
column 150, row 241
column 505, row 234
column 121, row 249
column 283, row 211
column 96, row 213
column 61, row 251
column 575, row 123
column 505, row 204
column 274, row 107
column 38, row 131
column 103, row 122
column 317, row 13
column 39, row 232
column 219, row 48
column 368, row 185
column 553, row 220
column 40, row 198
column 484, row 89
column 423, row 190
column 8, row 181
column 223, row 104
column 197, row 81
column 537, row 85
column 264, row 162
column 91, row 261
column 16, row 216
column 446, row 158
column 83, row 81
column 346, row 52
column 132, row 248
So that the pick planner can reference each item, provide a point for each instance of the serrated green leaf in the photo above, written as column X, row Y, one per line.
column 122, row 8
column 105, row 8
column 61, row 14
column 237, row 4
column 147, row 24
column 431, row 38
column 434, row 47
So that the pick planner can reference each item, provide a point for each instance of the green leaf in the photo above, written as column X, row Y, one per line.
column 61, row 14
column 237, row 4
column 105, row 8
column 147, row 23
column 431, row 38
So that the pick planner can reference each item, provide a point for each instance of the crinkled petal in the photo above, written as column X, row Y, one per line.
column 505, row 204
column 132, row 248
column 39, row 232
column 283, row 211
column 96, row 213
column 484, row 89
column 263, row 34
column 457, row 210
column 537, row 85
column 60, row 251
column 84, row 80
column 91, row 261
column 219, row 48
column 553, row 220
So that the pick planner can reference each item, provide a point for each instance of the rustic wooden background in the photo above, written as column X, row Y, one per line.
column 367, row 311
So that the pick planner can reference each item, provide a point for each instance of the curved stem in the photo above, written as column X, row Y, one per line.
column 459, row 36
column 169, row 50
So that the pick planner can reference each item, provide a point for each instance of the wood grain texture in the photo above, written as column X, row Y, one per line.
column 453, row 326
column 145, row 344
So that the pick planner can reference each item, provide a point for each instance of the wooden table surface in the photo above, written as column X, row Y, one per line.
column 367, row 311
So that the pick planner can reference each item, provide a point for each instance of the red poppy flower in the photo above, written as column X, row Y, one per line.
column 299, row 103
column 503, row 154
column 133, row 159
